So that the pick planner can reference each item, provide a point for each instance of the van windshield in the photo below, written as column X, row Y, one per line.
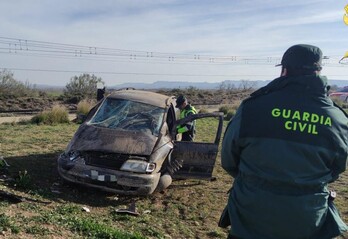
column 128, row 115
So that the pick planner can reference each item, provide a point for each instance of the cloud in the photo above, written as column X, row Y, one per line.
column 218, row 28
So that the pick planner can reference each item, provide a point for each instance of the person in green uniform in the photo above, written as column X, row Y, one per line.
column 187, row 130
column 283, row 147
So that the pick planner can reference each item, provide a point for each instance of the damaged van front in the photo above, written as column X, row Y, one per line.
column 122, row 144
column 129, row 144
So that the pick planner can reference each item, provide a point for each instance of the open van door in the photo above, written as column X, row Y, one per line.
column 197, row 159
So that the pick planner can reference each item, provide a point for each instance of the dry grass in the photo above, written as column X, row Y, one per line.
column 84, row 106
column 58, row 114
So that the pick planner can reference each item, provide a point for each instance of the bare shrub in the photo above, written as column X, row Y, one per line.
column 229, row 110
column 12, row 88
column 224, row 109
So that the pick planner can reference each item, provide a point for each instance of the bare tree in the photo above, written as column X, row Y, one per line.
column 246, row 85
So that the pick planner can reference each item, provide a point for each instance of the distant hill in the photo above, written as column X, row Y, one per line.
column 208, row 85
column 182, row 84
column 338, row 83
column 198, row 85
column 48, row 87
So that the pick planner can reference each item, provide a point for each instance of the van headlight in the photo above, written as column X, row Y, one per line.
column 138, row 166
column 73, row 155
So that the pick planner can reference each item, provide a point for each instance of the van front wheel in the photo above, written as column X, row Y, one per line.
column 164, row 182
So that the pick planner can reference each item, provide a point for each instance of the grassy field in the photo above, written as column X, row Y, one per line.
column 187, row 209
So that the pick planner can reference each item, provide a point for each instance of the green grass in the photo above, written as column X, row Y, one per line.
column 7, row 223
column 187, row 209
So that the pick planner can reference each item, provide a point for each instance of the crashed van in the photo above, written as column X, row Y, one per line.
column 128, row 144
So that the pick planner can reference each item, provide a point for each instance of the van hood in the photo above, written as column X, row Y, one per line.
column 92, row 138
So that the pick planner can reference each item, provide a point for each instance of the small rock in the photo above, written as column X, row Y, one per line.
column 86, row 209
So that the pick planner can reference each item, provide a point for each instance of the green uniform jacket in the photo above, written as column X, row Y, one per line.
column 283, row 146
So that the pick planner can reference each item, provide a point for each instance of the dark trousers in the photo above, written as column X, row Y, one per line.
column 188, row 136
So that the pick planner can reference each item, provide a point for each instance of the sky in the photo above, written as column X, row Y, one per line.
column 49, row 42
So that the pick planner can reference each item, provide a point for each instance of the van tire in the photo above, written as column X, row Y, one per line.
column 164, row 182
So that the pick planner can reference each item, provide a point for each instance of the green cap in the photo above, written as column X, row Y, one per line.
column 302, row 56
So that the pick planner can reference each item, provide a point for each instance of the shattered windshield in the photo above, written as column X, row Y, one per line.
column 128, row 115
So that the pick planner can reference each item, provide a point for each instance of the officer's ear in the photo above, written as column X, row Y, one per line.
column 284, row 71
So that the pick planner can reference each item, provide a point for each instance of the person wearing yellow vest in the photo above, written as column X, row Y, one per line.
column 187, row 130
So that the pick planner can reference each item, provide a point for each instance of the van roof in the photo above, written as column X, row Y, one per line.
column 147, row 97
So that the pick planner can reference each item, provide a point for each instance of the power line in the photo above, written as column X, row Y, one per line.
column 51, row 55
column 15, row 46
column 97, row 58
column 52, row 50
